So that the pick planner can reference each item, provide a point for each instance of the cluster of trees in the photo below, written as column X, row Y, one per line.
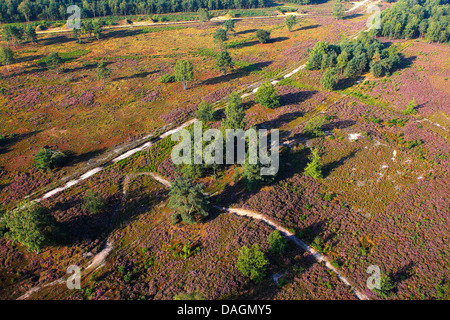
column 351, row 58
column 32, row 225
column 28, row 10
column 252, row 262
column 13, row 35
column 29, row 224
column 429, row 19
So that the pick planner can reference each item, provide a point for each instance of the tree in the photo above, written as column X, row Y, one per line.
column 203, row 15
column 54, row 61
column 252, row 263
column 267, row 96
column 76, row 35
column 314, row 167
column 6, row 56
column 97, row 28
column 342, row 61
column 188, row 200
column 31, row 225
column 386, row 286
column 377, row 69
column 277, row 242
column 411, row 108
column 205, row 112
column 102, row 71
column 234, row 113
column 224, row 61
column 184, row 72
column 30, row 33
column 93, row 203
column 229, row 25
column 47, row 159
column 290, row 22
column 338, row 10
column 220, row 37
column 313, row 127
column 263, row 35
column 330, row 79
column 25, row 9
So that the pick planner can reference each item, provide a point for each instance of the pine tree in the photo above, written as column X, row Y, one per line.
column 184, row 72
column 267, row 96
column 220, row 37
column 205, row 112
column 314, row 167
column 338, row 10
column 330, row 79
column 252, row 263
column 102, row 71
column 234, row 113
column 263, row 35
column 31, row 225
column 290, row 22
column 6, row 56
column 224, row 61
column 54, row 61
column 188, row 200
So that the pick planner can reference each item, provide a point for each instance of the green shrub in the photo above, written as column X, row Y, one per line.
column 267, row 96
column 93, row 203
column 277, row 242
column 252, row 263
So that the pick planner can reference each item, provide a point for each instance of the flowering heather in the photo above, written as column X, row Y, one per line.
column 179, row 114
column 218, row 94
column 150, row 96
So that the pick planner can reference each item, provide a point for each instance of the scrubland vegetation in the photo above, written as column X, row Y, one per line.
column 363, row 157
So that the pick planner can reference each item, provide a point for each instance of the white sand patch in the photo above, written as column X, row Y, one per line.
column 354, row 136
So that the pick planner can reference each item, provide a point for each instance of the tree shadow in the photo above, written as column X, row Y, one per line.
column 277, row 39
column 351, row 16
column 280, row 121
column 85, row 67
column 241, row 45
column 308, row 27
column 8, row 142
column 27, row 59
column 404, row 273
column 82, row 157
column 137, row 75
column 341, row 124
column 245, row 31
column 242, row 72
column 61, row 39
column 296, row 97
column 326, row 170
column 121, row 33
